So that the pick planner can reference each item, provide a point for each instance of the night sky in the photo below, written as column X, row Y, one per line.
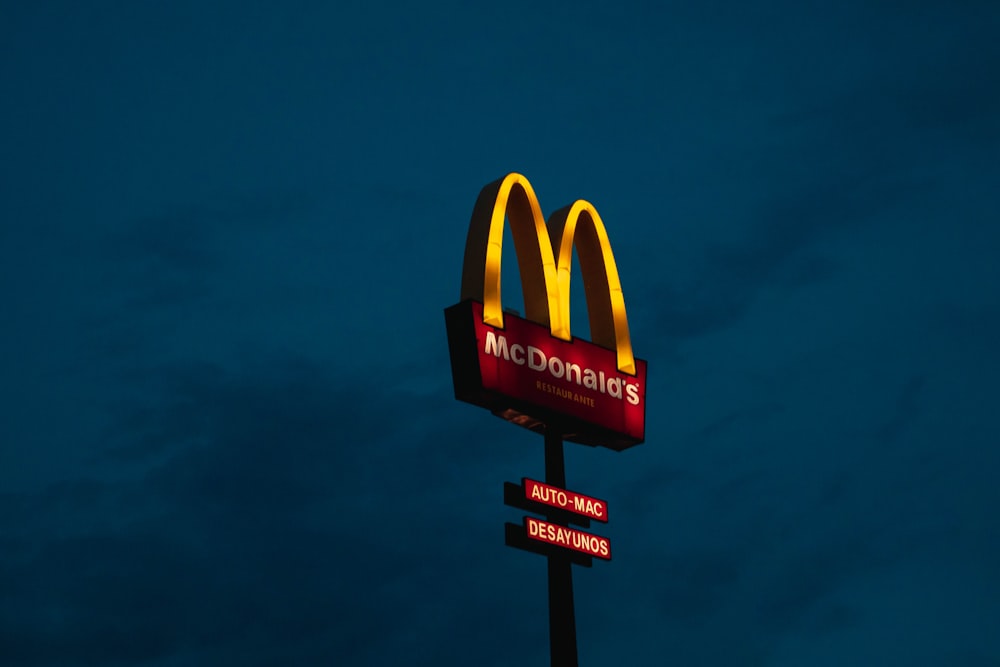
column 228, row 231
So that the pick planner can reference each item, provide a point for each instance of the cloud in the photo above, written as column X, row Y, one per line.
column 906, row 411
column 263, row 513
column 731, row 275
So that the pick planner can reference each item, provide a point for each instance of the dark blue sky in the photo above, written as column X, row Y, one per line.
column 227, row 235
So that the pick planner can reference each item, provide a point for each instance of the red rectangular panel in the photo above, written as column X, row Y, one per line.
column 524, row 374
column 568, row 538
column 571, row 501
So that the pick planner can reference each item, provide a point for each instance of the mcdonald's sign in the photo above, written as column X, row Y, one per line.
column 531, row 370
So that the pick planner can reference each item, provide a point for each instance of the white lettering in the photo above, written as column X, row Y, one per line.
column 570, row 369
column 536, row 358
column 567, row 537
column 615, row 387
column 516, row 350
column 497, row 346
column 588, row 506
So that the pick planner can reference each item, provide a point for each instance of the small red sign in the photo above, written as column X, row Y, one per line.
column 570, row 501
column 568, row 538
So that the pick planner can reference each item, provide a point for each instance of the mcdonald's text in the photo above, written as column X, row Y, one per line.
column 531, row 378
column 537, row 361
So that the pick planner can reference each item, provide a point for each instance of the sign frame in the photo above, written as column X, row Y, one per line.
column 545, row 251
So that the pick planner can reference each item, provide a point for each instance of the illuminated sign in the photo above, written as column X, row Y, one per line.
column 565, row 500
column 569, row 538
column 532, row 371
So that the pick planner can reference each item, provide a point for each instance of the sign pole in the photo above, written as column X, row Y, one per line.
column 532, row 372
column 562, row 619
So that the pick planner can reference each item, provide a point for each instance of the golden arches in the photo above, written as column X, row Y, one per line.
column 513, row 197
column 601, row 285
column 545, row 281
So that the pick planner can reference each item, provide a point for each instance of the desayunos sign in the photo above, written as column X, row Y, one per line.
column 531, row 370
column 569, row 538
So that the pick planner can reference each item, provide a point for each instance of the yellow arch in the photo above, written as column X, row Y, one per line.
column 511, row 196
column 601, row 285
column 544, row 281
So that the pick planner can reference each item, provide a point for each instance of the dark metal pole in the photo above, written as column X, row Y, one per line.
column 562, row 619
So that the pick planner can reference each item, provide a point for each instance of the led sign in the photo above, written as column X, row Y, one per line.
column 570, row 501
column 569, row 538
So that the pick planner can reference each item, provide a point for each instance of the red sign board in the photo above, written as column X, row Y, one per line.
column 569, row 538
column 531, row 378
column 570, row 501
